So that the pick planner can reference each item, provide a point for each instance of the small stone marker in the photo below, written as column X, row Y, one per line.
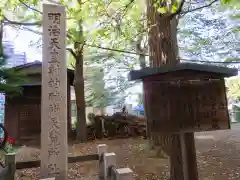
column 124, row 174
column 109, row 160
column 101, row 148
column 49, row 178
column 54, row 146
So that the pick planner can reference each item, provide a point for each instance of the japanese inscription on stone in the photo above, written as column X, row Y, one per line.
column 189, row 107
column 54, row 94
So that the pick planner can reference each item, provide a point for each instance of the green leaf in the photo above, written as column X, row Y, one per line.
column 186, row 32
column 204, row 42
column 175, row 6
column 232, row 60
column 162, row 10
column 236, row 30
column 235, row 16
column 226, row 1
column 233, row 87
column 35, row 2
column 11, row 80
column 232, row 3
column 155, row 5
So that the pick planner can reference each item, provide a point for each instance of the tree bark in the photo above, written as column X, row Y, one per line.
column 80, row 98
column 79, row 83
column 163, row 50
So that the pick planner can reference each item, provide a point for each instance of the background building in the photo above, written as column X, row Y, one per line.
column 15, row 58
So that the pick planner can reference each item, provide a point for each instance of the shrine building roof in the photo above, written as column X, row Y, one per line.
column 217, row 70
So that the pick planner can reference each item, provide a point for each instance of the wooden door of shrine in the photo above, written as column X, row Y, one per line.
column 29, row 125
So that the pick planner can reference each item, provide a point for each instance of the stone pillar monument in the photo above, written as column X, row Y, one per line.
column 54, row 146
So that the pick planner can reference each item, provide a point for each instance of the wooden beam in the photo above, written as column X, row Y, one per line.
column 34, row 164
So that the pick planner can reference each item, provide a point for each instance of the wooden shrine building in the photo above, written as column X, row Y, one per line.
column 23, row 112
column 185, row 97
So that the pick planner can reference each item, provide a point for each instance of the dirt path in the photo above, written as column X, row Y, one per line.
column 218, row 156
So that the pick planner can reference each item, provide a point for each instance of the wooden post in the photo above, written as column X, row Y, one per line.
column 54, row 146
column 101, row 149
column 124, row 174
column 11, row 164
column 184, row 156
column 187, row 142
column 190, row 159
column 109, row 160
column 187, row 160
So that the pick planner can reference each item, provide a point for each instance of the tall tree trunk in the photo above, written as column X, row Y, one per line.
column 80, row 99
column 174, row 24
column 162, row 50
column 79, row 88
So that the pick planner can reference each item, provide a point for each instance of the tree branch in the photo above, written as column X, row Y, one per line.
column 83, row 44
column 72, row 53
column 116, row 50
column 179, row 10
column 29, row 7
column 199, row 8
column 126, row 7
column 8, row 22
column 26, row 29
column 72, row 65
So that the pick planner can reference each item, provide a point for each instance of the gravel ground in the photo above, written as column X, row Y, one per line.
column 217, row 154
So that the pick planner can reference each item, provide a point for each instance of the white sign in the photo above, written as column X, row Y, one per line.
column 54, row 146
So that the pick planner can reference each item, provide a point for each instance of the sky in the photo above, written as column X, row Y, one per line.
column 22, row 42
